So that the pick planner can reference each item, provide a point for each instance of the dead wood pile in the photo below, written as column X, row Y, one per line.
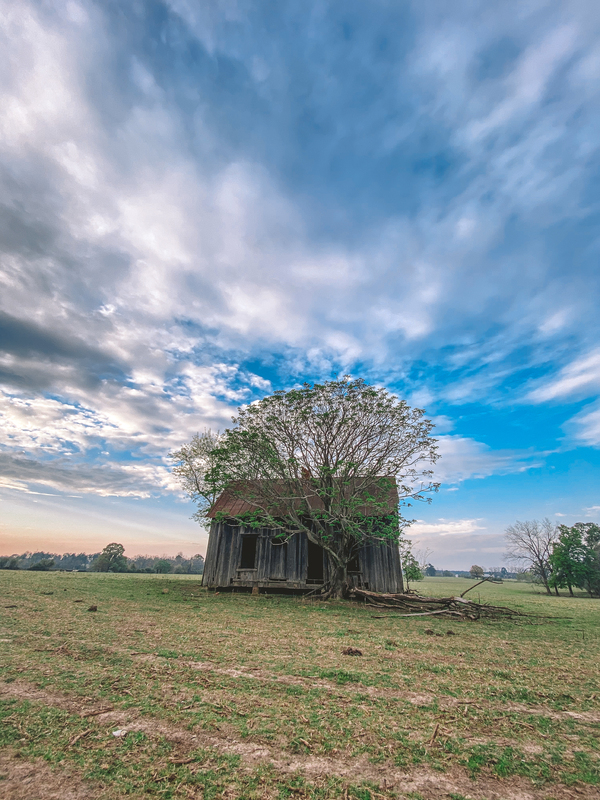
column 413, row 605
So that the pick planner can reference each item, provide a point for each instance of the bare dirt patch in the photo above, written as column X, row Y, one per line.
column 583, row 716
column 35, row 780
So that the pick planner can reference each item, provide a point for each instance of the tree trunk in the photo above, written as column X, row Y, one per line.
column 556, row 591
column 571, row 590
column 544, row 578
column 339, row 585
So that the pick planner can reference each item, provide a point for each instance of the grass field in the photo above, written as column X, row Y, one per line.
column 234, row 696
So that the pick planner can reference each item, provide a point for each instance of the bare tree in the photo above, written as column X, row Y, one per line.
column 335, row 461
column 422, row 555
column 529, row 545
column 192, row 462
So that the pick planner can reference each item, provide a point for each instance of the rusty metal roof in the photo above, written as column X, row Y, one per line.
column 230, row 503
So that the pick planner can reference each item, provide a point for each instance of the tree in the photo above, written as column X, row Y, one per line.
column 163, row 566
column 192, row 463
column 412, row 570
column 430, row 571
column 9, row 562
column 529, row 545
column 575, row 558
column 196, row 564
column 77, row 561
column 111, row 559
column 591, row 536
column 593, row 582
column 322, row 460
column 476, row 571
column 44, row 565
column 590, row 533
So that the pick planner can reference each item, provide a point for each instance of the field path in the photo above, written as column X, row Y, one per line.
column 416, row 698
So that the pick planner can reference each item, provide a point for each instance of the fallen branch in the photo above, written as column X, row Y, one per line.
column 97, row 712
column 485, row 580
column 418, row 614
column 435, row 733
column 75, row 739
column 412, row 605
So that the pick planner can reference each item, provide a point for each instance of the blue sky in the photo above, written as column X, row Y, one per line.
column 201, row 202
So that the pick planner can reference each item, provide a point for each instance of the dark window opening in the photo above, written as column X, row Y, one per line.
column 315, row 563
column 248, row 559
column 353, row 565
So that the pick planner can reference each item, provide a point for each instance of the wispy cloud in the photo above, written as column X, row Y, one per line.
column 581, row 378
column 463, row 458
column 585, row 426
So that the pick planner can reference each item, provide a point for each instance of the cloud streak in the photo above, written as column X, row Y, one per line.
column 446, row 527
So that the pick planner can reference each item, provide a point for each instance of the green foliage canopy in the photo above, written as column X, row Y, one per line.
column 111, row 559
column 575, row 558
column 412, row 570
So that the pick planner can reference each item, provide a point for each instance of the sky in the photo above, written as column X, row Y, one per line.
column 202, row 202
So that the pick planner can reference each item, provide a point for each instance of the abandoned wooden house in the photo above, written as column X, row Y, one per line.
column 240, row 557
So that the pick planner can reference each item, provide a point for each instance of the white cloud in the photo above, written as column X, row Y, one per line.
column 140, row 481
column 228, row 248
column 143, row 422
column 555, row 322
column 580, row 378
column 446, row 527
column 463, row 458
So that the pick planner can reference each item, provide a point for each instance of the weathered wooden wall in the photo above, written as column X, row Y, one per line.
column 381, row 568
column 285, row 565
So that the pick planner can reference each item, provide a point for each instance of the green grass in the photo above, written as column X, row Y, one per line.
column 495, row 701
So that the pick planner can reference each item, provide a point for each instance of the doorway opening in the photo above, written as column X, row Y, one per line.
column 353, row 565
column 314, row 572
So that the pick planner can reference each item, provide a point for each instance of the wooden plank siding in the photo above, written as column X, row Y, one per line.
column 285, row 565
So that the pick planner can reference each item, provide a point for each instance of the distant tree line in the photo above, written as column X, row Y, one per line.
column 111, row 559
column 499, row 573
column 42, row 560
column 556, row 556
